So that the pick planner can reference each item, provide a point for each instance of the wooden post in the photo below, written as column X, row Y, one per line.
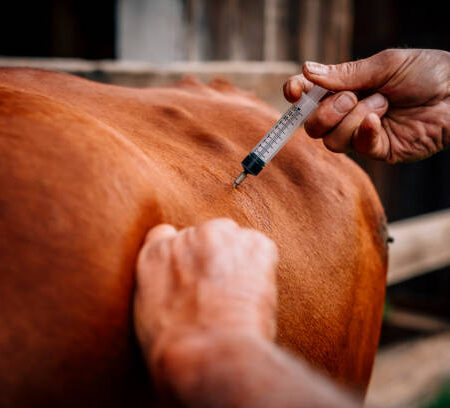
column 310, row 31
column 337, row 30
column 150, row 30
column 276, row 39
column 420, row 245
column 325, row 30
column 234, row 31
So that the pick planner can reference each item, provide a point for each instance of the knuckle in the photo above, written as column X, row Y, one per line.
column 348, row 68
column 261, row 243
column 265, row 241
column 389, row 54
column 255, row 236
column 392, row 159
column 217, row 224
column 216, row 233
column 323, row 117
column 392, row 57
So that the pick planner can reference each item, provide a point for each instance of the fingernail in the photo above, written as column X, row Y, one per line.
column 344, row 103
column 375, row 101
column 316, row 68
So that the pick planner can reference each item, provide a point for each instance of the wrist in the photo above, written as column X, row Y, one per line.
column 180, row 359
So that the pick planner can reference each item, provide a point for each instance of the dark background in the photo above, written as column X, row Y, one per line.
column 58, row 28
column 416, row 188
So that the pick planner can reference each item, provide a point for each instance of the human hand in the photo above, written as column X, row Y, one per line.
column 216, row 276
column 403, row 116
column 204, row 313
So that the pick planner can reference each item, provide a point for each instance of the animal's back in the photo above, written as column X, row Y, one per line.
column 87, row 168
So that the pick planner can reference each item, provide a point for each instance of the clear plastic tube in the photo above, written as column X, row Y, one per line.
column 280, row 133
column 283, row 130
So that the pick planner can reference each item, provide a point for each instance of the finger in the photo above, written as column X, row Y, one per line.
column 368, row 73
column 217, row 233
column 329, row 113
column 258, row 242
column 155, row 236
column 339, row 139
column 263, row 252
column 264, row 255
column 295, row 86
column 219, row 224
column 150, row 261
column 370, row 138
column 159, row 233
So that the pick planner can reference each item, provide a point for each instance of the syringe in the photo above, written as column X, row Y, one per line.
column 280, row 133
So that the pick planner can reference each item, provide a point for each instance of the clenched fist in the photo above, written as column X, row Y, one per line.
column 204, row 315
column 216, row 276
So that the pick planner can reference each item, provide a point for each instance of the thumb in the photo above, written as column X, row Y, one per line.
column 368, row 73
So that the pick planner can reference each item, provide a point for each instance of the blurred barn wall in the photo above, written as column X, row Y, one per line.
column 257, row 30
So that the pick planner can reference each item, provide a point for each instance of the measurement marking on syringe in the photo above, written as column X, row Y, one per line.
column 280, row 133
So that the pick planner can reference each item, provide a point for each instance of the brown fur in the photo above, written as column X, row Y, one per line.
column 87, row 168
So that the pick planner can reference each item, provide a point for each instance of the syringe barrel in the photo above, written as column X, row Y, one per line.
column 283, row 130
column 280, row 133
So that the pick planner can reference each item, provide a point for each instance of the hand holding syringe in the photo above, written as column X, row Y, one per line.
column 280, row 133
column 393, row 106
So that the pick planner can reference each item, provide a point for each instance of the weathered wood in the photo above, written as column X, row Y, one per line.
column 195, row 35
column 325, row 30
column 169, row 30
column 337, row 29
column 151, row 31
column 234, row 29
column 407, row 375
column 310, row 32
column 416, row 321
column 276, row 38
column 422, row 244
column 252, row 28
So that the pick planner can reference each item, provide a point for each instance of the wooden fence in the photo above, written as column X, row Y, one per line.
column 421, row 244
column 258, row 30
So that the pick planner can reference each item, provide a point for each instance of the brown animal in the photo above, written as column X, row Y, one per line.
column 86, row 169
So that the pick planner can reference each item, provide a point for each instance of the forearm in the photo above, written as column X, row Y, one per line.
column 238, row 370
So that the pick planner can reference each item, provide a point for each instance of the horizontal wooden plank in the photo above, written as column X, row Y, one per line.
column 421, row 244
column 408, row 374
column 416, row 321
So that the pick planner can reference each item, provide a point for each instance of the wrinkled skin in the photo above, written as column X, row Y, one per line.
column 403, row 112
column 87, row 169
